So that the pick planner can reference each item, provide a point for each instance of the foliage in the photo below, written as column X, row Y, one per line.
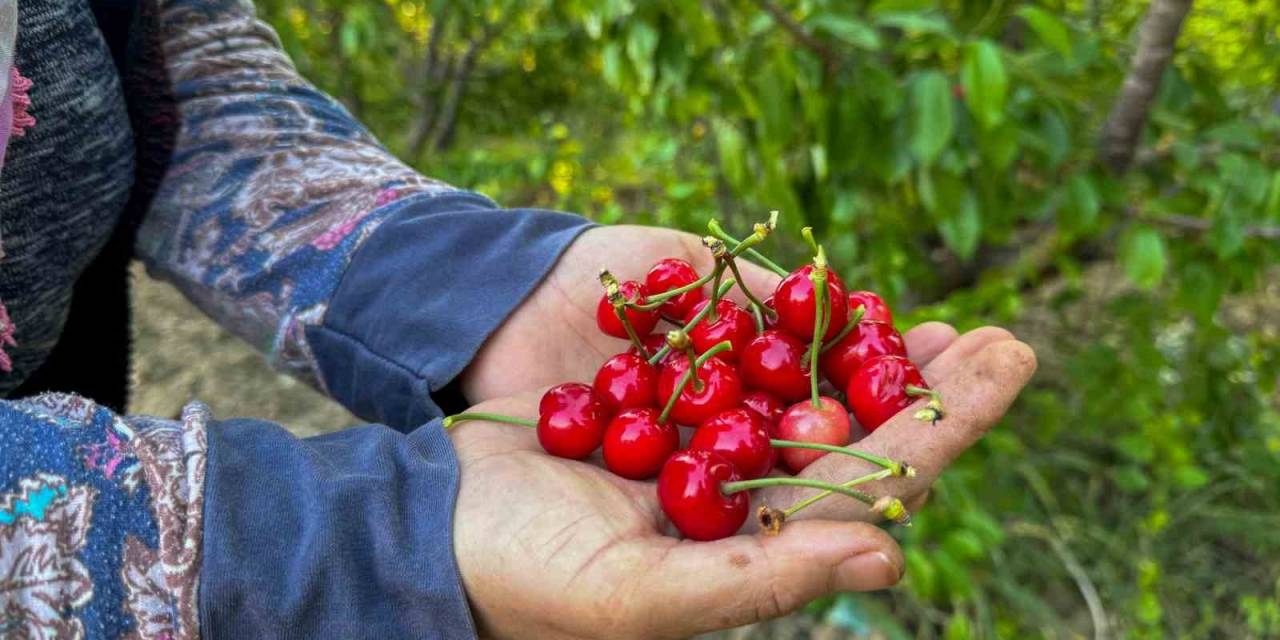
column 946, row 152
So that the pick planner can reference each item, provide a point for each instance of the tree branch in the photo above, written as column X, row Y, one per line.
column 431, row 74
column 1201, row 225
column 448, row 120
column 1156, row 40
column 830, row 59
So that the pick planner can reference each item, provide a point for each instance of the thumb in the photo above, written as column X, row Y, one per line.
column 745, row 579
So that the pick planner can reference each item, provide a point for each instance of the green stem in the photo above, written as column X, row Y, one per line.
column 848, row 327
column 655, row 301
column 760, row 483
column 897, row 468
column 735, row 244
column 693, row 322
column 621, row 312
column 819, row 279
column 689, row 375
column 807, row 233
column 870, row 477
column 450, row 421
column 742, row 285
column 931, row 412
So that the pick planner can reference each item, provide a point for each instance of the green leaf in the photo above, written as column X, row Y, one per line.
column 848, row 29
column 964, row 544
column 914, row 23
column 985, row 83
column 1143, row 257
column 732, row 151
column 642, row 41
column 931, row 119
column 1052, row 31
column 961, row 231
column 1080, row 211
column 999, row 146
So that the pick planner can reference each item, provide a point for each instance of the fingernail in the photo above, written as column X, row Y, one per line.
column 868, row 572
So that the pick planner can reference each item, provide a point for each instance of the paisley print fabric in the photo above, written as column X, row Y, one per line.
column 272, row 184
column 100, row 521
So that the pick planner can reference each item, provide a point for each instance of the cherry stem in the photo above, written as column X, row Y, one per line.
column 807, row 233
column 848, row 327
column 742, row 285
column 760, row 483
column 735, row 245
column 450, row 421
column 931, row 412
column 693, row 322
column 870, row 477
column 653, row 302
column 690, row 375
column 820, row 310
column 620, row 311
column 895, row 467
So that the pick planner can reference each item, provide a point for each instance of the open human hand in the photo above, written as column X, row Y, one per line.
column 550, row 547
column 552, row 336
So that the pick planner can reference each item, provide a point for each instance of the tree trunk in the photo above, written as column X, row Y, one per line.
column 1156, row 40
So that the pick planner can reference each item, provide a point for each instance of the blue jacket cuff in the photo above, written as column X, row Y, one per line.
column 422, row 295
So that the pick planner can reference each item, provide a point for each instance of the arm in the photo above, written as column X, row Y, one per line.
column 283, row 218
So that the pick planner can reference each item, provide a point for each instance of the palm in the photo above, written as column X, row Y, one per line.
column 552, row 337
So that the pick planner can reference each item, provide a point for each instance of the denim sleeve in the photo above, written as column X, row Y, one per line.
column 280, row 216
column 195, row 528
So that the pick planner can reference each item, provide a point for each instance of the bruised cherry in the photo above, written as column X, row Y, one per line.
column 673, row 273
column 636, row 444
column 571, row 421
column 642, row 321
column 795, row 302
column 690, row 495
column 874, row 307
column 730, row 322
column 717, row 387
column 867, row 340
column 775, row 361
column 741, row 437
column 626, row 380
column 803, row 422
column 878, row 391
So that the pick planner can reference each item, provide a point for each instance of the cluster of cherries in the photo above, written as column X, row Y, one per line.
column 750, row 379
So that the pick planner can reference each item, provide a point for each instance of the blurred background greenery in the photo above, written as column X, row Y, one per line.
column 975, row 161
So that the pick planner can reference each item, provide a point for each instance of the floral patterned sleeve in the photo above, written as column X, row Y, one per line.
column 282, row 217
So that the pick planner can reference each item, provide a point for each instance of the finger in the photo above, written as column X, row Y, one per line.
column 975, row 396
column 961, row 350
column 744, row 579
column 926, row 341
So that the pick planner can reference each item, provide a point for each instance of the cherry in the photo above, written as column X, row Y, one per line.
column 767, row 405
column 874, row 307
column 866, row 341
column 776, row 362
column 794, row 301
column 673, row 273
column 571, row 421
column 741, row 437
column 803, row 422
column 636, row 444
column 879, row 389
column 642, row 321
column 732, row 323
column 626, row 380
column 717, row 387
column 689, row 493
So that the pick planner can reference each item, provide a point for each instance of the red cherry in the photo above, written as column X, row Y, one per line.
column 721, row 389
column 794, row 301
column 803, row 422
column 571, row 421
column 878, row 391
column 866, row 341
column 652, row 343
column 875, row 308
column 673, row 273
column 770, row 320
column 775, row 362
column 741, row 436
column 626, row 380
column 642, row 321
column 636, row 445
column 732, row 323
column 689, row 493
column 767, row 405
